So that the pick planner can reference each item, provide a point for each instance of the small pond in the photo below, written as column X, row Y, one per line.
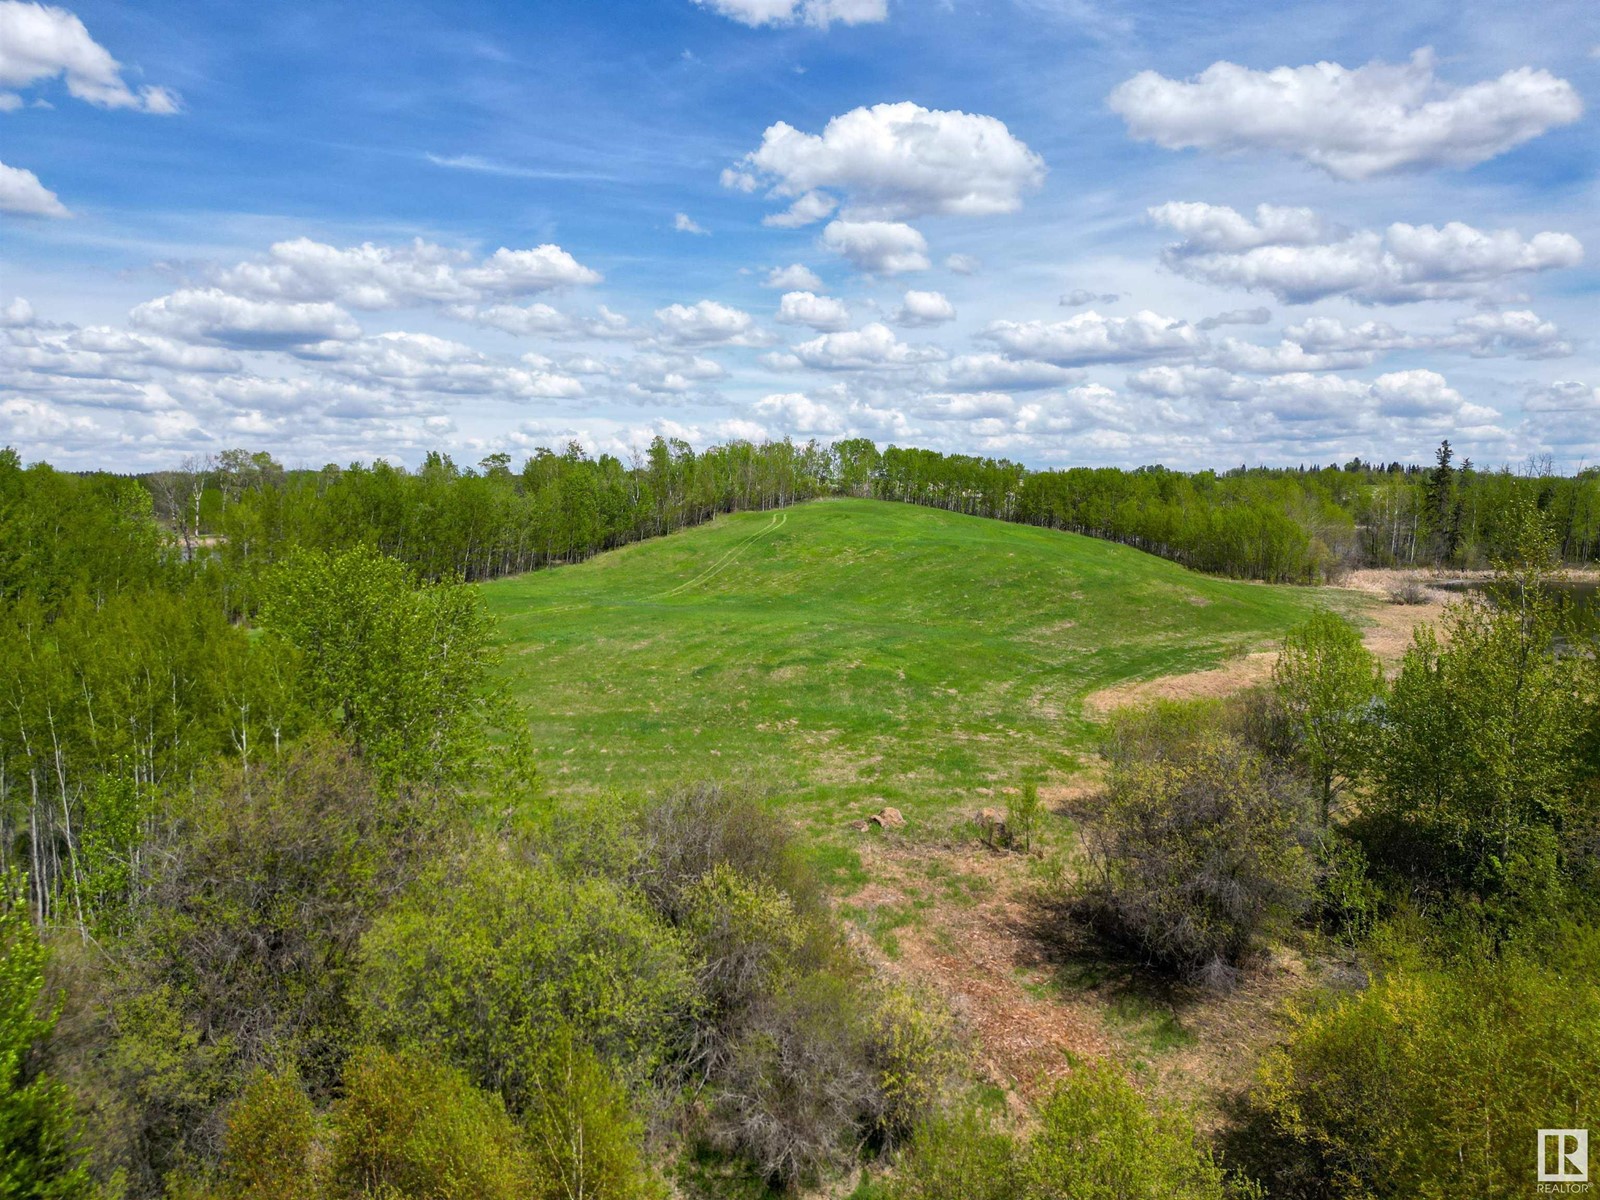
column 1582, row 598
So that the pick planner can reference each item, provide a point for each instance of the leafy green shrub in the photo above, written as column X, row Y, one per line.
column 1022, row 815
column 39, row 1155
column 271, row 1145
column 1348, row 901
column 744, row 940
column 264, row 884
column 399, row 666
column 963, row 1155
column 1160, row 730
column 483, row 961
column 1098, row 1139
column 1195, row 857
column 916, row 1048
column 243, row 937
column 408, row 1127
column 1477, row 768
column 584, row 1138
column 1432, row 1082
column 1329, row 683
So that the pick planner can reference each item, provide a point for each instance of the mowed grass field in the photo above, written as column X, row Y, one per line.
column 846, row 654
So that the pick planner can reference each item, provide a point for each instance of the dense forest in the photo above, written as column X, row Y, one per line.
column 288, row 911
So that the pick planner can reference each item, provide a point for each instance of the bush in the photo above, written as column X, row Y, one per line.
column 745, row 941
column 1096, row 1139
column 483, row 961
column 1022, row 815
column 798, row 1093
column 1432, row 1082
column 271, row 1144
column 959, row 1156
column 407, row 1127
column 1329, row 684
column 583, row 1136
column 1195, row 858
column 1410, row 591
column 687, row 833
column 261, row 886
column 914, row 1044
column 1477, row 770
column 1099, row 1140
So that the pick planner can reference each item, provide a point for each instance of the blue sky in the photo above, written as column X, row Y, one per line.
column 1028, row 228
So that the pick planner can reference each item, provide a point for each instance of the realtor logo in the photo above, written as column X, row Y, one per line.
column 1563, row 1156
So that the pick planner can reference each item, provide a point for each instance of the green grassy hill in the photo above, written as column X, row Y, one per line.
column 847, row 650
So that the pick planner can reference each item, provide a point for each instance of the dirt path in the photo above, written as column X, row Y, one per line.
column 1386, row 629
column 981, row 956
column 1032, row 1003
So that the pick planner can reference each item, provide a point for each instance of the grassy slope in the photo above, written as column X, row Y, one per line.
column 847, row 650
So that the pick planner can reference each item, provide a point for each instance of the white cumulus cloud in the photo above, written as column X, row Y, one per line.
column 793, row 278
column 1090, row 337
column 893, row 161
column 1353, row 123
column 425, row 363
column 371, row 276
column 1404, row 263
column 21, row 194
column 819, row 312
column 707, row 321
column 878, row 247
column 924, row 309
column 989, row 372
column 872, row 347
column 219, row 317
column 40, row 42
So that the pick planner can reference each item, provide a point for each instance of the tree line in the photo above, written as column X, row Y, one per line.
column 1300, row 525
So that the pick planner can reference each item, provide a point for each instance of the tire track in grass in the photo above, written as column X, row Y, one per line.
column 779, row 520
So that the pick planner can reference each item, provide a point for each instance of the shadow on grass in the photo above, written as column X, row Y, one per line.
column 1144, row 999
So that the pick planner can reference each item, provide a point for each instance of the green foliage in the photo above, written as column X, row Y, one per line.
column 918, row 1052
column 401, row 667
column 1328, row 683
column 1431, row 1082
column 1022, row 815
column 271, row 1147
column 689, row 832
column 963, row 1155
column 410, row 1128
column 265, row 886
column 745, row 941
column 1098, row 1139
column 39, row 1154
column 105, row 703
column 582, row 1134
column 241, row 945
column 1195, row 857
column 64, row 533
column 485, row 960
column 1477, row 771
